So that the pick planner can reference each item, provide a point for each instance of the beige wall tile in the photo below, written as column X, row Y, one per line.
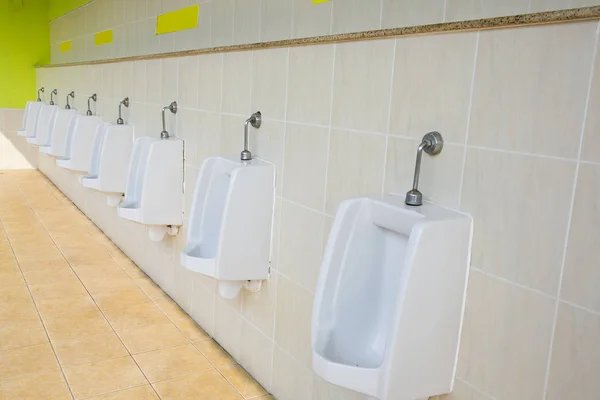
column 232, row 135
column 276, row 20
column 463, row 391
column 242, row 381
column 441, row 175
column 501, row 316
column 536, row 105
column 246, row 17
column 581, row 275
column 221, row 31
column 300, row 244
column 228, row 325
column 257, row 354
column 323, row 390
column 311, row 19
column 356, row 165
column 269, row 83
column 259, row 308
column 209, row 82
column 361, row 85
column 267, row 144
column 462, row 10
column 215, row 353
column 575, row 358
column 237, row 82
column 432, row 85
column 306, row 152
column 550, row 5
column 291, row 380
column 188, row 82
column 293, row 321
column 590, row 150
column 355, row 16
column 527, row 253
column 309, row 84
column 397, row 13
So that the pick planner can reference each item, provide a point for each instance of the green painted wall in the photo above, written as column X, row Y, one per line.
column 24, row 42
column 61, row 7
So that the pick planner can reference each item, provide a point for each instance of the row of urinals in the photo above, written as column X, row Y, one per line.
column 388, row 307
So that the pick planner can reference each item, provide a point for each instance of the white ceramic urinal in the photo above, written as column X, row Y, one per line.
column 111, row 153
column 154, row 191
column 79, row 143
column 32, row 111
column 59, row 127
column 389, row 303
column 58, row 137
column 229, row 236
column 45, row 120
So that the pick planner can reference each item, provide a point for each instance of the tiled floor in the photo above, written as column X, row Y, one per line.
column 78, row 320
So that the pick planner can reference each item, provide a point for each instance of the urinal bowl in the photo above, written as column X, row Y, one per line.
column 44, row 123
column 109, row 163
column 389, row 303
column 229, row 235
column 79, row 143
column 32, row 111
column 59, row 126
column 154, row 190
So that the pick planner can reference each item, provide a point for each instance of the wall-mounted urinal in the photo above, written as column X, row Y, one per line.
column 388, row 308
column 44, row 122
column 229, row 237
column 154, row 189
column 57, row 146
column 32, row 109
column 389, row 303
column 78, row 146
column 60, row 125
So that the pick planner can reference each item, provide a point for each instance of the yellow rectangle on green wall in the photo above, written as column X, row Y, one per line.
column 103, row 37
column 319, row 1
column 65, row 46
column 178, row 20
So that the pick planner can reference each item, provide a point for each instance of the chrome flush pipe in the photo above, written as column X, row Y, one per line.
column 173, row 108
column 72, row 95
column 256, row 121
column 54, row 92
column 89, row 110
column 432, row 144
column 124, row 102
column 40, row 90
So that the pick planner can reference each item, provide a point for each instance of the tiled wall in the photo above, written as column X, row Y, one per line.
column 14, row 151
column 227, row 22
column 518, row 109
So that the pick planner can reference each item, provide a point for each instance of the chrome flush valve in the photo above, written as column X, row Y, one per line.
column 124, row 102
column 432, row 144
column 40, row 90
column 92, row 97
column 52, row 93
column 173, row 108
column 256, row 121
column 72, row 95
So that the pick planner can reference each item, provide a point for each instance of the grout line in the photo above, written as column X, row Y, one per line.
column 471, row 95
column 572, row 205
column 475, row 388
column 536, row 291
column 329, row 133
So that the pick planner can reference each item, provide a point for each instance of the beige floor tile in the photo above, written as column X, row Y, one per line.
column 16, row 335
column 120, row 298
column 85, row 271
column 89, row 349
column 47, row 385
column 17, row 311
column 138, row 393
column 208, row 385
column 11, row 277
column 151, row 289
column 76, row 326
column 152, row 337
column 104, row 377
column 172, row 362
column 49, row 276
column 242, row 381
column 172, row 309
column 26, row 360
column 44, row 264
column 57, row 290
column 11, row 294
column 135, row 316
column 54, row 308
column 215, row 353
column 105, row 284
column 191, row 329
